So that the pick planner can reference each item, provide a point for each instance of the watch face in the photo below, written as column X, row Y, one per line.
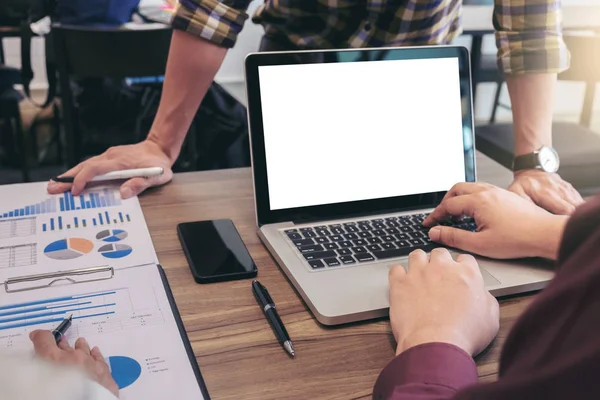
column 548, row 159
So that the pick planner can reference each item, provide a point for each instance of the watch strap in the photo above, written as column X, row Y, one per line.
column 526, row 161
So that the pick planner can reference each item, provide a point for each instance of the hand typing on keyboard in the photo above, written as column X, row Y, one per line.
column 363, row 241
column 508, row 226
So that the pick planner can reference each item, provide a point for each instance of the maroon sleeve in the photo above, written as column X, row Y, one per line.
column 552, row 352
column 428, row 371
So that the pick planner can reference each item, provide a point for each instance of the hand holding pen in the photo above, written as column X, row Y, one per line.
column 53, row 347
column 148, row 153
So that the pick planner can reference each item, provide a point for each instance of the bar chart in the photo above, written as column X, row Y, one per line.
column 18, row 227
column 103, row 218
column 56, row 309
column 67, row 202
column 93, row 312
column 22, row 255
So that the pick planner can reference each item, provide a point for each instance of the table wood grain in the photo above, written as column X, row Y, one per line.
column 233, row 342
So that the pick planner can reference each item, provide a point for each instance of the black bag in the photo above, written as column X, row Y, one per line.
column 111, row 113
column 218, row 137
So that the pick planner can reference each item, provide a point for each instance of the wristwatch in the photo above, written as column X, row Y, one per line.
column 545, row 158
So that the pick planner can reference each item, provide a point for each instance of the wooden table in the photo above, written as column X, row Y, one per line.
column 233, row 342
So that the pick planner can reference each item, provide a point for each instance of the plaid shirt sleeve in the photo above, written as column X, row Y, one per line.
column 219, row 22
column 529, row 36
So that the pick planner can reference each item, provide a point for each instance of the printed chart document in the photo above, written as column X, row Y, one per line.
column 41, row 233
column 129, row 316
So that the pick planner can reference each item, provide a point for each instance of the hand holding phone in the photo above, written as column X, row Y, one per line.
column 215, row 251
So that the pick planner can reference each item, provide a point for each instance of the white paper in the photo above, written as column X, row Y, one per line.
column 128, row 317
column 26, row 249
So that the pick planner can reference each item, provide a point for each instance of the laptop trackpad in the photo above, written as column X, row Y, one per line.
column 488, row 279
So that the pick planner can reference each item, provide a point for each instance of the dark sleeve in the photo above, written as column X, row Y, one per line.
column 428, row 371
column 553, row 351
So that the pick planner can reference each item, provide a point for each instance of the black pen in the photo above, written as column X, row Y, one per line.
column 61, row 329
column 268, row 307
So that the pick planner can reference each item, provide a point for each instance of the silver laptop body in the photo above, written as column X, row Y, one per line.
column 350, row 149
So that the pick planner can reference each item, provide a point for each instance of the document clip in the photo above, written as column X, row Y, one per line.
column 31, row 282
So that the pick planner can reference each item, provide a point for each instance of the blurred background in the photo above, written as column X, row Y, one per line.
column 106, row 79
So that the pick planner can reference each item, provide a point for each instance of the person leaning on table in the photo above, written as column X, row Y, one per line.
column 528, row 34
column 440, row 313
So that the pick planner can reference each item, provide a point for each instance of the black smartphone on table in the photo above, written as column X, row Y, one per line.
column 215, row 251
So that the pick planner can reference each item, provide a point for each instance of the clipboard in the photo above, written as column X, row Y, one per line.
column 184, row 337
column 86, row 275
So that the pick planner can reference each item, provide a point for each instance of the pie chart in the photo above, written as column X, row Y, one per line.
column 115, row 250
column 124, row 370
column 112, row 235
column 67, row 249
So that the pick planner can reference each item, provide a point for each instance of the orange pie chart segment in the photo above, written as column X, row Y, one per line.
column 82, row 245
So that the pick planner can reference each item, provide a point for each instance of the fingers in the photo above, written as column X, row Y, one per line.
column 575, row 197
column 90, row 169
column 135, row 186
column 44, row 344
column 58, row 187
column 417, row 259
column 467, row 259
column 441, row 256
column 82, row 344
column 453, row 237
column 64, row 344
column 553, row 202
column 396, row 273
column 95, row 352
column 454, row 206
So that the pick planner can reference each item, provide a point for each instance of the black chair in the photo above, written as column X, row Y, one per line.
column 577, row 145
column 10, row 115
column 85, row 52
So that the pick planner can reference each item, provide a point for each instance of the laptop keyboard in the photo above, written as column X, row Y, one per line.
column 351, row 243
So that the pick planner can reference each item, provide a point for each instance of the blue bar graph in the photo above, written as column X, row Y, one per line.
column 104, row 218
column 44, row 227
column 54, row 310
column 66, row 202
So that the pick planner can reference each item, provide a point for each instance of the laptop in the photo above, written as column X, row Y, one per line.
column 351, row 149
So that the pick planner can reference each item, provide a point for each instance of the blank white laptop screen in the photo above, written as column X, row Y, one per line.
column 340, row 132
